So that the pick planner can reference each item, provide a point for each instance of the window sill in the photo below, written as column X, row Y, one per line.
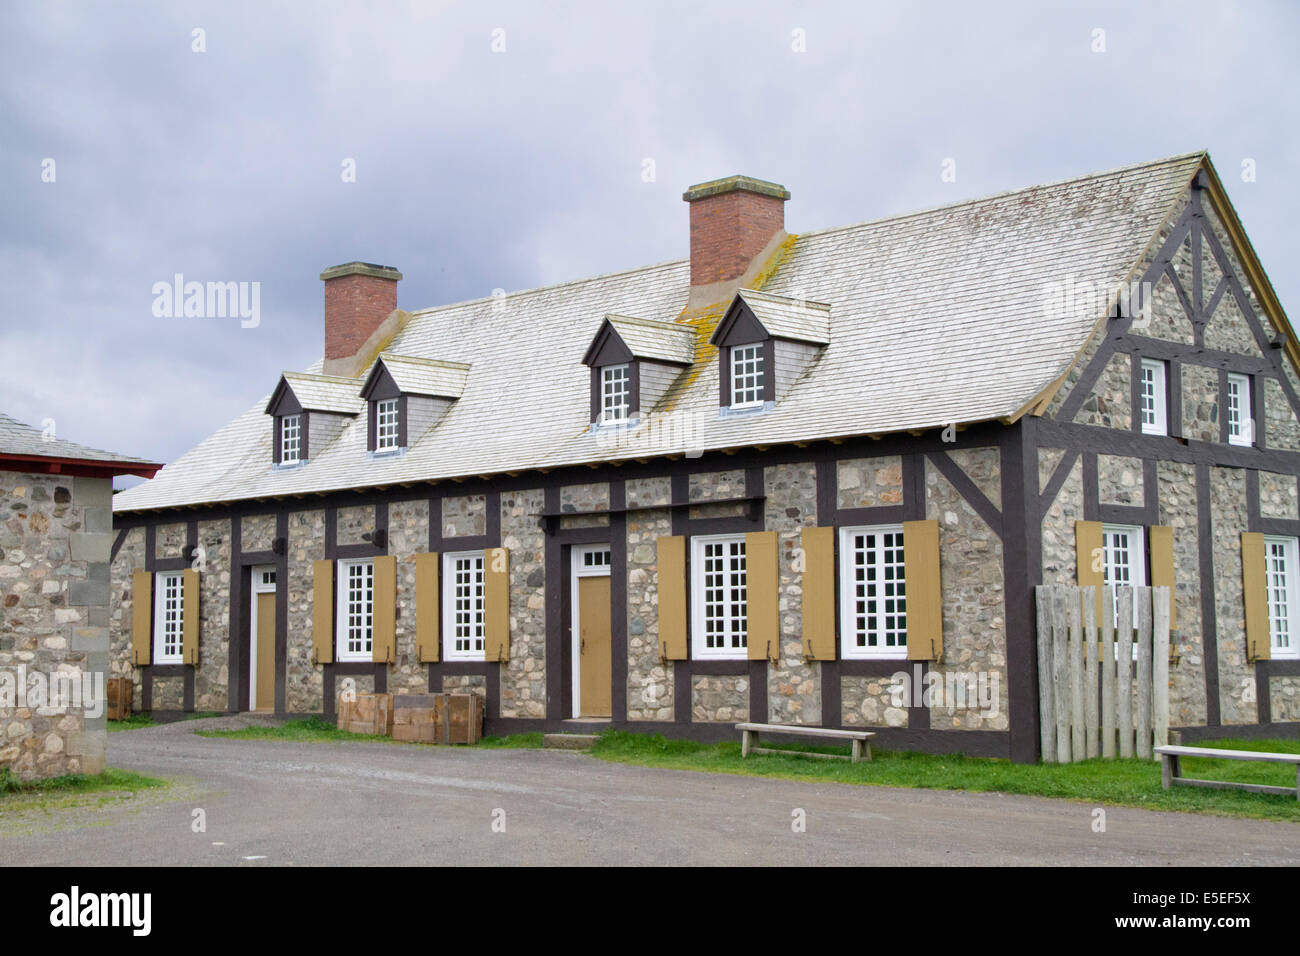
column 727, row 411
column 631, row 422
column 1155, row 430
column 1241, row 443
column 386, row 454
column 290, row 466
column 897, row 658
column 698, row 654
column 167, row 661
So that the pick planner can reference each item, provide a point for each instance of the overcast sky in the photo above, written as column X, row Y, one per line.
column 505, row 146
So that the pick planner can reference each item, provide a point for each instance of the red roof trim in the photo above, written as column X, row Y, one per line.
column 83, row 467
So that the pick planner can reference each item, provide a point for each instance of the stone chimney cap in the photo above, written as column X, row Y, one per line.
column 361, row 269
column 731, row 184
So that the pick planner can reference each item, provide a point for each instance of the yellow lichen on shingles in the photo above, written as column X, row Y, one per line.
column 704, row 320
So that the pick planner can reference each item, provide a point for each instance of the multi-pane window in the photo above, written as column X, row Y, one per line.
column 1240, row 418
column 1123, row 559
column 615, row 393
column 356, row 610
column 720, row 596
column 387, row 432
column 873, row 592
column 1152, row 398
column 463, row 605
column 1280, row 579
column 747, row 372
column 169, row 606
column 595, row 558
column 290, row 439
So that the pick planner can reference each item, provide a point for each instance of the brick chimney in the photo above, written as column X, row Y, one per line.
column 733, row 220
column 359, row 297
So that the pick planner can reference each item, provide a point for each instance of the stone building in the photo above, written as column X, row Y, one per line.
column 757, row 482
column 56, row 534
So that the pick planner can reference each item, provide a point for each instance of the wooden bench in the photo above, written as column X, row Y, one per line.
column 1171, row 768
column 860, row 739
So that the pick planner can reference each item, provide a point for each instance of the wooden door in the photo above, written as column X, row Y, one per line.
column 594, row 647
column 265, row 651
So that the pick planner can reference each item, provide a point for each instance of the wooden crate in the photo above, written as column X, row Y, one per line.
column 367, row 714
column 120, row 694
column 415, row 718
column 461, row 718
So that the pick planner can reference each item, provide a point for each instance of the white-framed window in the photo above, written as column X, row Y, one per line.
column 873, row 592
column 1123, row 548
column 462, row 606
column 747, row 374
column 615, row 393
column 168, row 617
column 290, row 439
column 356, row 610
column 1241, row 420
column 387, row 431
column 595, row 558
column 719, row 597
column 1151, row 393
column 1280, row 570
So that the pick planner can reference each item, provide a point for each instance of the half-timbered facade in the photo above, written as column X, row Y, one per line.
column 758, row 483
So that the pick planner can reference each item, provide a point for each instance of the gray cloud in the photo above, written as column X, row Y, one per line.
column 478, row 170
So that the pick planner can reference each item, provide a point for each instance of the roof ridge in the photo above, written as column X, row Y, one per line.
column 339, row 379
column 777, row 297
column 656, row 323
column 421, row 360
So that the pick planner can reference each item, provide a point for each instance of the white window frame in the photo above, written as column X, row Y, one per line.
column 1238, row 411
column 849, row 631
column 1159, row 410
column 388, row 424
column 364, row 612
column 1135, row 560
column 747, row 384
column 615, row 383
column 1283, row 632
column 288, row 457
column 475, row 609
column 735, row 625
column 169, row 617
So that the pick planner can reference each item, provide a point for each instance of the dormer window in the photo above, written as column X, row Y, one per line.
column 616, row 393
column 388, row 424
column 290, row 439
column 748, row 374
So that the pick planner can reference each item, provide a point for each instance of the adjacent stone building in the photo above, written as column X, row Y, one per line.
column 759, row 482
column 56, row 518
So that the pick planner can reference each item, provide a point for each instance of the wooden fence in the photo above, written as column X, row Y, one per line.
column 1103, row 690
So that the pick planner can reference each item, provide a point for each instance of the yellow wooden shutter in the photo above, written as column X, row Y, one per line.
column 1089, row 558
column 190, row 617
column 672, row 598
column 427, row 623
column 819, row 593
column 762, row 593
column 924, row 591
column 322, row 613
column 141, row 618
column 383, row 633
column 1254, row 570
column 1162, row 565
column 496, row 599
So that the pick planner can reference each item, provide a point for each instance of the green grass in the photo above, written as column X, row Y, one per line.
column 71, row 790
column 315, row 729
column 134, row 722
column 1133, row 783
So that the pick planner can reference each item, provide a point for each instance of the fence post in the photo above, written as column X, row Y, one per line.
column 1108, row 673
column 1078, row 746
column 1090, row 649
column 1046, row 705
column 1142, row 597
column 1060, row 672
column 1124, row 669
column 1161, row 600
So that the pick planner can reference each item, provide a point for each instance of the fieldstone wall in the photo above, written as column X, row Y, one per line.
column 352, row 523
column 523, row 678
column 130, row 558
column 590, row 497
column 644, row 492
column 974, row 617
column 256, row 532
column 719, row 699
column 1178, row 509
column 1119, row 480
column 867, row 702
column 1200, row 403
column 1059, row 516
column 1110, row 402
column 983, row 467
column 1277, row 495
column 55, row 541
column 211, row 677
column 464, row 684
column 169, row 541
column 408, row 535
column 1237, row 691
column 869, row 482
column 464, row 516
column 1281, row 428
column 1169, row 320
column 793, row 686
column 1284, row 698
column 649, row 680
column 304, row 681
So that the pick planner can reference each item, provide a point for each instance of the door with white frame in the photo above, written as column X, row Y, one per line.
column 261, row 652
column 592, row 648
